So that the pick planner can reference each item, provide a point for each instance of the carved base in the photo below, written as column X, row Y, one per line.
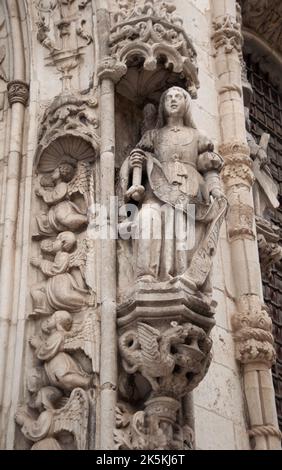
column 166, row 302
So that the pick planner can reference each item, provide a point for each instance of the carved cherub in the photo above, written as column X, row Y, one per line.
column 61, row 369
column 65, row 288
column 57, row 191
column 45, row 430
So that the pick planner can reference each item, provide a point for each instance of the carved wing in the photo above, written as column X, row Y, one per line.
column 78, row 259
column 149, row 339
column 85, row 338
column 73, row 418
column 83, row 182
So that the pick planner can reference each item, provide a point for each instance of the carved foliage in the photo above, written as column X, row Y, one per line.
column 252, row 332
column 18, row 92
column 150, row 31
column 227, row 35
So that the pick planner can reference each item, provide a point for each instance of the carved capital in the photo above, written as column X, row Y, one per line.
column 252, row 332
column 112, row 69
column 18, row 92
column 227, row 35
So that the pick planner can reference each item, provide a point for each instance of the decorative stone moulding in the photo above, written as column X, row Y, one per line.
column 150, row 33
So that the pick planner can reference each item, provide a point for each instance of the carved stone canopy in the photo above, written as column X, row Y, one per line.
column 68, row 130
column 149, row 35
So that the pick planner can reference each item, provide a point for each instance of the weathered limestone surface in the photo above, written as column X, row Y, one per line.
column 107, row 342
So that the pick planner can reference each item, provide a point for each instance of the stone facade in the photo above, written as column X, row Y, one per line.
column 122, row 125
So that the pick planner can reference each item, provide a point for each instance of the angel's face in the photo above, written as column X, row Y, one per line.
column 47, row 246
column 48, row 325
column 57, row 245
column 56, row 175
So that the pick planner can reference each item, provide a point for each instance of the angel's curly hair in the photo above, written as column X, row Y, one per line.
column 67, row 171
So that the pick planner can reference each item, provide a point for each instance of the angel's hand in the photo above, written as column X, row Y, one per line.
column 21, row 415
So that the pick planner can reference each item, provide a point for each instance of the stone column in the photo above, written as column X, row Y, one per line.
column 18, row 92
column 252, row 325
column 108, row 378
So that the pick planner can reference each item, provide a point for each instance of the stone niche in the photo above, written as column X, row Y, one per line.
column 163, row 165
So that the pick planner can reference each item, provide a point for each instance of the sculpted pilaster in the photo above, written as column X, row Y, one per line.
column 64, row 309
column 251, row 323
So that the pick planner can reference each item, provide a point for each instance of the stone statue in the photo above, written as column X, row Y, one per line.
column 265, row 190
column 61, row 369
column 52, row 420
column 172, row 167
column 57, row 191
column 65, row 288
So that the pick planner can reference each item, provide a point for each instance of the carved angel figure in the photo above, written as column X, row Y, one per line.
column 172, row 167
column 45, row 430
column 61, row 369
column 57, row 191
column 65, row 288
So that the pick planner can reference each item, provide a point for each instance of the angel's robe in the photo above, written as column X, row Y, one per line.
column 63, row 291
column 61, row 369
column 36, row 430
column 63, row 213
